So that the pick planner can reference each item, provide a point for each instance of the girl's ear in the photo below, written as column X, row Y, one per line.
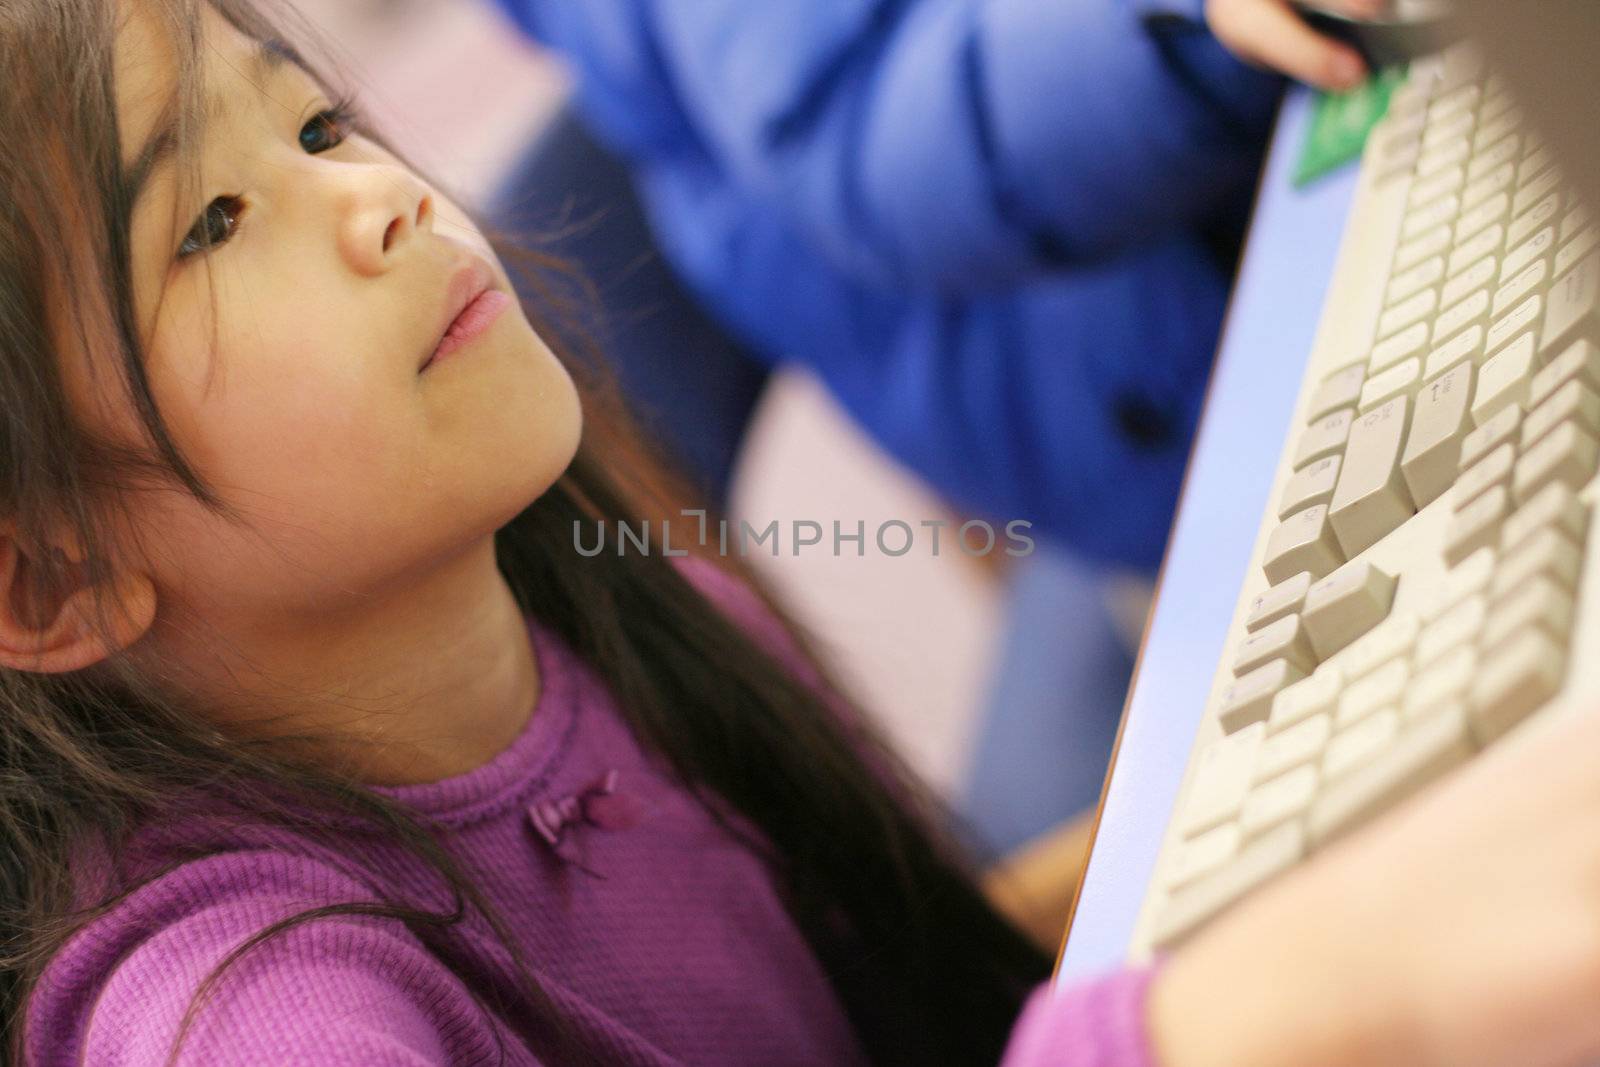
column 47, row 633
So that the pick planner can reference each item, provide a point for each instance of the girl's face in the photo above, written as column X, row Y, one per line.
column 357, row 472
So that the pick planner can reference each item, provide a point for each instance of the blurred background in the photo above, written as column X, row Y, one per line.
column 464, row 94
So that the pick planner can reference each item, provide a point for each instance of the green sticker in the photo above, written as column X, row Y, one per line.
column 1340, row 123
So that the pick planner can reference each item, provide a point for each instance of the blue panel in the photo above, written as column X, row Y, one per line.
column 1272, row 322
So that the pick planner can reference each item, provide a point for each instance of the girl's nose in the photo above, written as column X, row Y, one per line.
column 383, row 212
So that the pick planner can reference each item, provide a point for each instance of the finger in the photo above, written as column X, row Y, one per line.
column 1269, row 32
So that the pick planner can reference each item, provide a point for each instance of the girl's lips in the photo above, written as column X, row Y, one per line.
column 474, row 319
column 465, row 284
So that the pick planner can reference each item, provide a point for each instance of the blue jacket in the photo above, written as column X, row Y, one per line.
column 988, row 225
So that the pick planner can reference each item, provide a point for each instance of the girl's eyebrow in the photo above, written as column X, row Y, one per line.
column 264, row 61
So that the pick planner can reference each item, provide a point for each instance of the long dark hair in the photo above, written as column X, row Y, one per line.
column 930, row 973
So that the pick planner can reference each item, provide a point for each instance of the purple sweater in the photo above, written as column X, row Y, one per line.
column 660, row 936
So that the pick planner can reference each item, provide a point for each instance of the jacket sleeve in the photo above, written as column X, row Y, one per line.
column 1095, row 1023
column 967, row 144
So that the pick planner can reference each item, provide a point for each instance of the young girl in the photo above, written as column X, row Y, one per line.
column 321, row 743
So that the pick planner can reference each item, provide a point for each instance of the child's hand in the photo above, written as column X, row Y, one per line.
column 1269, row 33
column 1461, row 930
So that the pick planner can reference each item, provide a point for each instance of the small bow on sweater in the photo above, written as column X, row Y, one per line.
column 597, row 804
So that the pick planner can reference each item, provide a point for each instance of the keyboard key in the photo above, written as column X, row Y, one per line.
column 1402, row 138
column 1466, row 345
column 1477, row 276
column 1285, row 639
column 1419, row 220
column 1536, row 247
column 1523, row 283
column 1454, row 101
column 1324, row 437
column 1395, row 637
column 1547, row 554
column 1497, row 180
column 1497, row 155
column 1513, row 683
column 1555, row 507
column 1222, row 779
column 1249, row 699
column 1501, row 427
column 1537, row 160
column 1531, row 192
column 1446, row 181
column 1573, row 401
column 1416, row 308
column 1315, row 695
column 1360, row 743
column 1382, row 687
column 1503, row 330
column 1579, row 362
column 1445, row 681
column 1468, row 252
column 1573, row 301
column 1408, row 342
column 1490, row 471
column 1290, row 748
column 1338, row 390
column 1458, row 626
column 1433, row 447
column 1312, row 484
column 1490, row 211
column 1470, row 576
column 1371, row 498
column 1428, row 272
column 1346, row 604
column 1273, row 803
column 1463, row 313
column 1476, row 525
column 1279, row 600
column 1541, row 604
column 1541, row 214
column 1433, row 160
column 1304, row 541
column 1422, row 754
column 1493, row 126
column 1538, row 169
column 1581, row 244
column 1566, row 454
column 1573, row 222
column 1201, row 855
column 1398, row 160
column 1504, row 379
column 1432, row 243
column 1447, row 128
column 1265, row 857
column 1452, row 126
column 1400, row 380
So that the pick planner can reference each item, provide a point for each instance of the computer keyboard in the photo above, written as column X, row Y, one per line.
column 1418, row 590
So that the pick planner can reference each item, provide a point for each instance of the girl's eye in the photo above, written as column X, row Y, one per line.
column 219, row 221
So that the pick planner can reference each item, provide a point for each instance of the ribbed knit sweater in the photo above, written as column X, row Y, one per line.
column 661, row 937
